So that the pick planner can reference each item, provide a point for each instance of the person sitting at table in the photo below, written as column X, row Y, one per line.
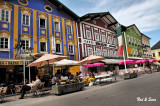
column 64, row 77
column 30, row 86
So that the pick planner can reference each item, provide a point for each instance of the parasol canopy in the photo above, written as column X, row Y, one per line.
column 127, row 62
column 46, row 59
column 66, row 62
column 91, row 59
column 139, row 61
column 151, row 61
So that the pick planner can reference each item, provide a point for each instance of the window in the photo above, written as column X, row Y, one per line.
column 111, row 53
column 5, row 14
column 108, row 39
column 69, row 29
column 115, row 41
column 96, row 36
column 43, row 46
column 23, row 2
column 58, row 48
column 57, row 26
column 25, row 19
column 105, row 53
column 98, row 52
column 25, row 44
column 4, row 43
column 129, row 40
column 90, row 51
column 71, row 49
column 135, row 41
column 153, row 54
column 103, row 38
column 88, row 34
column 48, row 8
column 42, row 23
column 158, row 53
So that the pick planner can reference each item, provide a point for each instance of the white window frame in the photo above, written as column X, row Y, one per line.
column 40, row 47
column 96, row 37
column 103, row 38
column 89, row 48
column 135, row 41
column 59, row 29
column 6, row 49
column 25, row 19
column 129, row 39
column 60, row 48
column 108, row 39
column 69, row 50
column 98, row 52
column 88, row 37
column 45, row 23
column 9, row 15
column 111, row 53
column 71, row 29
column 111, row 39
column 25, row 43
column 105, row 52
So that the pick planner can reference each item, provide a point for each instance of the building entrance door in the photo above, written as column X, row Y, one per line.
column 2, row 75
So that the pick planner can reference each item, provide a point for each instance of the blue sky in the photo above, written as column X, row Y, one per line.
column 144, row 13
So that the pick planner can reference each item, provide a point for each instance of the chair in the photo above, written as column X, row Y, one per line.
column 38, row 90
column 3, row 91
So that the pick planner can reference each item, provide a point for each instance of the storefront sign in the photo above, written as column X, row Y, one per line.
column 13, row 62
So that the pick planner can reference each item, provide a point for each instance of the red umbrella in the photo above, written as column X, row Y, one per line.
column 151, row 61
column 127, row 62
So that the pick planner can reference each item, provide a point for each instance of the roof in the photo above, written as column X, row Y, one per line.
column 63, row 8
column 156, row 46
column 145, row 36
column 133, row 25
column 105, row 16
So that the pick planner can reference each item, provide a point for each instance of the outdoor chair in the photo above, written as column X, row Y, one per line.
column 3, row 91
column 38, row 91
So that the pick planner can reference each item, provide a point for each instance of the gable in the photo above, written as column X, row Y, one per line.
column 98, row 22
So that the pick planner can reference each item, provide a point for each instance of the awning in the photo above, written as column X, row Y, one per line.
column 135, row 58
column 112, row 61
column 13, row 62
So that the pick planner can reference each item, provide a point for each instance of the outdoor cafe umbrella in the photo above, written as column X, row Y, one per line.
column 151, row 61
column 91, row 59
column 66, row 62
column 127, row 62
column 46, row 59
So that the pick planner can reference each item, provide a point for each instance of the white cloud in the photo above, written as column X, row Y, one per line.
column 146, row 15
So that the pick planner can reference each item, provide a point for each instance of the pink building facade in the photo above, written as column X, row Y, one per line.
column 97, row 36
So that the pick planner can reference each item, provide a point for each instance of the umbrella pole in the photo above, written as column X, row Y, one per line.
column 48, row 67
column 53, row 69
column 124, row 62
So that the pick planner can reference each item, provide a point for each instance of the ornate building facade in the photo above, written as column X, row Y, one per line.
column 32, row 27
column 97, row 36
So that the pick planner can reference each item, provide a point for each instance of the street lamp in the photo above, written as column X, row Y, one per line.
column 26, row 51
